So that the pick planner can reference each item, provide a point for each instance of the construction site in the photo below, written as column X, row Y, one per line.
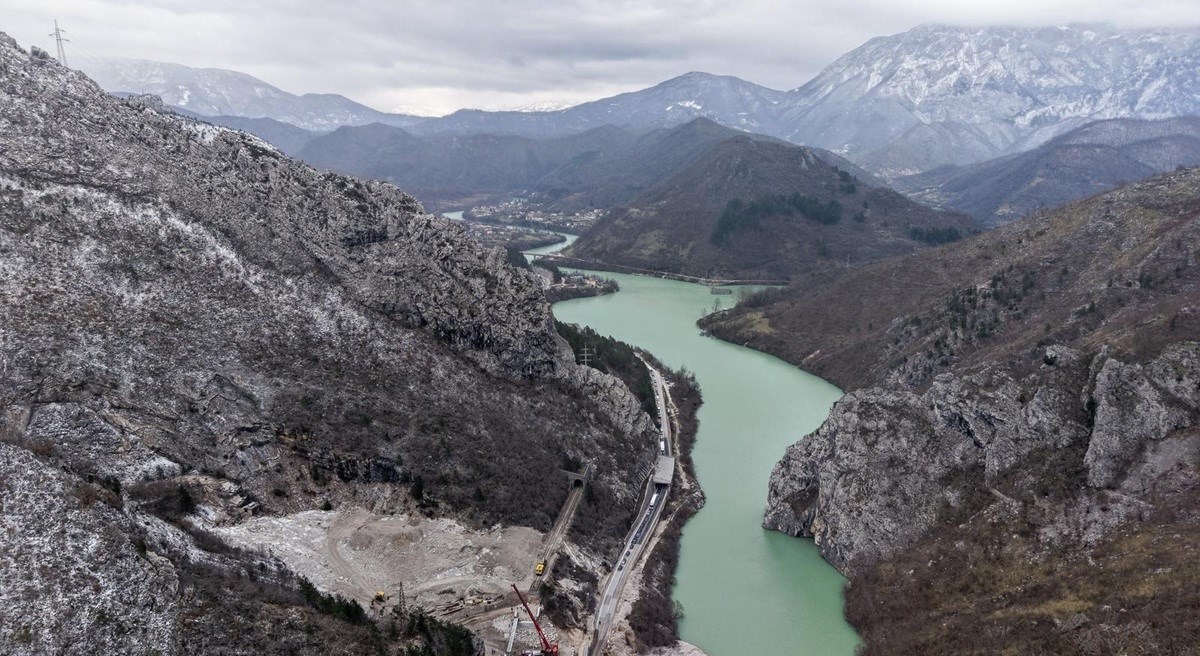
column 486, row 580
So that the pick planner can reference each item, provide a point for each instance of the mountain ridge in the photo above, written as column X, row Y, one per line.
column 200, row 332
column 903, row 103
column 1018, row 447
column 222, row 92
column 995, row 86
column 796, row 213
column 1087, row 160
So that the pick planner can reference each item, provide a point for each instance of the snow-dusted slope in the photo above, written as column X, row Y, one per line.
column 725, row 99
column 220, row 92
column 938, row 94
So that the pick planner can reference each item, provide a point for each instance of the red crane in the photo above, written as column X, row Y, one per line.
column 548, row 648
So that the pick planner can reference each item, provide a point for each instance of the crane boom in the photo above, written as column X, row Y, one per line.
column 547, row 648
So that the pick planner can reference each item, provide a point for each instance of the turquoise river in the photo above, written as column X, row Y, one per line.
column 744, row 590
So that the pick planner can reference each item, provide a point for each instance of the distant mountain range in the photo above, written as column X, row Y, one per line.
column 667, row 189
column 1085, row 161
column 897, row 105
column 949, row 95
column 727, row 100
column 219, row 92
column 761, row 209
column 600, row 168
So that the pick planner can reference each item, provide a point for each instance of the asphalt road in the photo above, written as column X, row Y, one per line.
column 653, row 500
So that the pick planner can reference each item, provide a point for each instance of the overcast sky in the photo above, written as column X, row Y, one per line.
column 438, row 56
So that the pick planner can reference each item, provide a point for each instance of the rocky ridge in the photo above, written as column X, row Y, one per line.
column 1018, row 449
column 1122, row 425
column 199, row 330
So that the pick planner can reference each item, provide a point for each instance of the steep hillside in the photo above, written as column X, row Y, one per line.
column 220, row 92
column 1017, row 464
column 452, row 166
column 938, row 94
column 284, row 136
column 606, row 179
column 200, row 331
column 1085, row 161
column 762, row 210
column 995, row 295
column 600, row 168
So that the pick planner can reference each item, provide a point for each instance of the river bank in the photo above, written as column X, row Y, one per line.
column 742, row 589
column 739, row 588
column 595, row 265
column 648, row 617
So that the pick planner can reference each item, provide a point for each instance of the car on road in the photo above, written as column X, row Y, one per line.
column 540, row 568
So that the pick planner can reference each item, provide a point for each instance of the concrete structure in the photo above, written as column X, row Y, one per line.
column 664, row 470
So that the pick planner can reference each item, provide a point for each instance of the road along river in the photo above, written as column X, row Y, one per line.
column 744, row 590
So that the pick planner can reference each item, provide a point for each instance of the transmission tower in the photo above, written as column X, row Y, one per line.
column 59, row 41
column 586, row 355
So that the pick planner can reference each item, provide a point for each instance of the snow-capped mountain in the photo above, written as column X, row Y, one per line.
column 543, row 107
column 937, row 94
column 220, row 92
column 728, row 100
column 897, row 105
column 725, row 99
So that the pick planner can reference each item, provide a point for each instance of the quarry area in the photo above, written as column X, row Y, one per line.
column 452, row 571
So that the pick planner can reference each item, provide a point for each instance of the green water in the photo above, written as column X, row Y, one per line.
column 744, row 590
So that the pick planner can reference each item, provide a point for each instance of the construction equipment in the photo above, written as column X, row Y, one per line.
column 540, row 568
column 548, row 648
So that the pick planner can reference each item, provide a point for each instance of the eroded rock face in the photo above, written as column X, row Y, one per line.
column 1138, row 405
column 204, row 330
column 887, row 466
column 232, row 194
column 188, row 297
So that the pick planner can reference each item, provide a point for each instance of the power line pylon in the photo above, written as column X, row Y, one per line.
column 59, row 41
column 587, row 354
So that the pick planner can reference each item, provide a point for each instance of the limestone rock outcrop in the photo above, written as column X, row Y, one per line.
column 888, row 466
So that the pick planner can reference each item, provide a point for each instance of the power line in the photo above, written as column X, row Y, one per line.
column 59, row 40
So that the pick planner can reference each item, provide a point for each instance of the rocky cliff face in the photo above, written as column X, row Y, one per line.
column 197, row 326
column 888, row 466
column 1018, row 449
